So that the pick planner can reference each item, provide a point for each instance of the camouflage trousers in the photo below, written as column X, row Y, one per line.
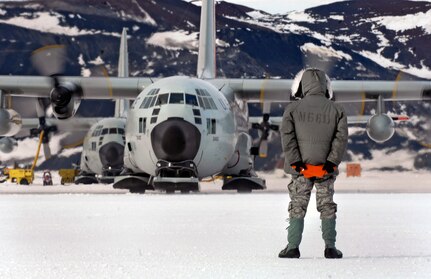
column 300, row 192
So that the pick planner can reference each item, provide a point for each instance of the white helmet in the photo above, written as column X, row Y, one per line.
column 297, row 88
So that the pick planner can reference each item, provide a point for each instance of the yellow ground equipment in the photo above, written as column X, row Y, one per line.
column 68, row 175
column 21, row 176
column 25, row 176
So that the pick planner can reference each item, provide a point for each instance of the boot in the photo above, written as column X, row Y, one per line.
column 333, row 253
column 329, row 235
column 294, row 237
column 289, row 253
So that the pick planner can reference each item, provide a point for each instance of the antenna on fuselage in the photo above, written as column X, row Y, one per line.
column 206, row 68
column 122, row 105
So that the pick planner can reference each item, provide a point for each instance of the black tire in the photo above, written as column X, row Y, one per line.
column 244, row 189
column 23, row 182
column 137, row 191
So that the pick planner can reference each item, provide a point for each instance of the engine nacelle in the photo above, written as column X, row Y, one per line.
column 65, row 100
column 10, row 122
column 7, row 145
column 380, row 128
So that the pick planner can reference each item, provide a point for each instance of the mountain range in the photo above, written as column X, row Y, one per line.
column 364, row 40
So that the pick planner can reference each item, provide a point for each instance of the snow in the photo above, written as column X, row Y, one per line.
column 423, row 72
column 344, row 38
column 381, row 60
column 27, row 147
column 257, row 14
column 300, row 16
column 406, row 22
column 175, row 40
column 324, row 52
column 147, row 18
column 211, row 235
column 97, row 61
column 49, row 22
column 337, row 17
column 294, row 28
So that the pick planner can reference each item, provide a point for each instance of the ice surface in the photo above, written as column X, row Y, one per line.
column 384, row 231
column 208, row 236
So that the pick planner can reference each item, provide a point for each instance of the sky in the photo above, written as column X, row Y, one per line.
column 283, row 6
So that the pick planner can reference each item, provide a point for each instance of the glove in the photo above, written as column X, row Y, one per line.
column 329, row 167
column 298, row 166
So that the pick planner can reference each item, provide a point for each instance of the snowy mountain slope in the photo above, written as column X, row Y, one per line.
column 351, row 40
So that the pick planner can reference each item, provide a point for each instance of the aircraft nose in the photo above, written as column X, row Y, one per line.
column 175, row 140
column 111, row 155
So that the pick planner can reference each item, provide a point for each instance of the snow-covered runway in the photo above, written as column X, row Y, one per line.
column 208, row 236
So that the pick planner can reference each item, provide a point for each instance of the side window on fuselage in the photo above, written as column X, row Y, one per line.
column 211, row 126
column 142, row 125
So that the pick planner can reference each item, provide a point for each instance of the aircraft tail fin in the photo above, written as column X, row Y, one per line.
column 206, row 68
column 121, row 105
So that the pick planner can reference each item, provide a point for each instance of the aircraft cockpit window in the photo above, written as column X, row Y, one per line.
column 113, row 131
column 146, row 102
column 206, row 103
column 136, row 102
column 121, row 131
column 162, row 100
column 97, row 131
column 191, row 100
column 105, row 131
column 201, row 103
column 153, row 101
column 205, row 99
column 203, row 92
column 222, row 104
column 213, row 105
column 176, row 98
column 153, row 91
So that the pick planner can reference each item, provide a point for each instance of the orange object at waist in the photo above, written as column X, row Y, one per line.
column 314, row 171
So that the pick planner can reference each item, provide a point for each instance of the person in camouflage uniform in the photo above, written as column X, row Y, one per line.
column 314, row 137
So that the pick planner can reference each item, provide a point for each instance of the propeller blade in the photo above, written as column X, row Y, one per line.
column 46, row 151
column 255, row 126
column 49, row 60
column 274, row 127
column 263, row 149
column 266, row 109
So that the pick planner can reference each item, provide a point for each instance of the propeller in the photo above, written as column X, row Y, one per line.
column 264, row 128
column 41, row 105
column 49, row 61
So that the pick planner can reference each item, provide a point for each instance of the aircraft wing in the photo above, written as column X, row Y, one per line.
column 276, row 120
column 252, row 90
column 75, row 124
column 351, row 119
column 92, row 87
column 278, row 90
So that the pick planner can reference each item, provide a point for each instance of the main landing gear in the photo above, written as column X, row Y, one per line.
column 243, row 184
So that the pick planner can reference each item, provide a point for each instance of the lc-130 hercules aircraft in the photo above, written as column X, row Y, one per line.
column 182, row 129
